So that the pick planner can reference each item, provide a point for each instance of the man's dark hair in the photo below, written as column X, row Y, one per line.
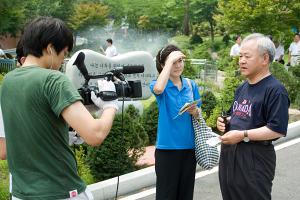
column 43, row 31
column 236, row 37
column 162, row 55
column 19, row 51
column 271, row 37
column 109, row 40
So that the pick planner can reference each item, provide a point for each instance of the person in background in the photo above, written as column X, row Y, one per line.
column 175, row 161
column 294, row 51
column 235, row 49
column 279, row 52
column 111, row 50
column 258, row 116
column 2, row 54
column 37, row 137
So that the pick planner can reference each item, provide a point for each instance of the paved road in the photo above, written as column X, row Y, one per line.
column 286, row 182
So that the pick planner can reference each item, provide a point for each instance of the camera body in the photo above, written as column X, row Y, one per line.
column 130, row 89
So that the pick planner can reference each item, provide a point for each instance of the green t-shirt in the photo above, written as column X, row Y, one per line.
column 39, row 157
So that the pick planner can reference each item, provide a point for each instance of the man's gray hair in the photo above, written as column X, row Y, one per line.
column 264, row 44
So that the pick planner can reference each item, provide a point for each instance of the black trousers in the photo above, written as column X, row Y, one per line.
column 246, row 171
column 175, row 174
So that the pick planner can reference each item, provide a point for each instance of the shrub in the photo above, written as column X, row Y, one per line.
column 209, row 102
column 119, row 152
column 295, row 70
column 83, row 168
column 231, row 82
column 150, row 120
column 226, row 39
column 224, row 60
column 182, row 41
column 196, row 39
column 201, row 51
column 189, row 70
column 290, row 82
column 297, row 101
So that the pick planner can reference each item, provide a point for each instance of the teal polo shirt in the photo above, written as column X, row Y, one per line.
column 175, row 133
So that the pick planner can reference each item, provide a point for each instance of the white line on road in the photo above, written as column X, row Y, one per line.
column 204, row 173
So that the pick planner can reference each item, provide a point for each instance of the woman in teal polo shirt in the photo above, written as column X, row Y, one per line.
column 175, row 162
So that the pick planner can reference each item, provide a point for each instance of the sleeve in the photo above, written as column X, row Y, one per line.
column 158, row 97
column 60, row 92
column 277, row 112
column 231, row 51
column 151, row 86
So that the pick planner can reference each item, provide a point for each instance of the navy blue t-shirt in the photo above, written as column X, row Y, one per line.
column 265, row 103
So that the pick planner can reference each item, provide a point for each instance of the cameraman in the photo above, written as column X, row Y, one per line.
column 36, row 126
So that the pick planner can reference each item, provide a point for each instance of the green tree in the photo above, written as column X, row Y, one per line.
column 204, row 10
column 12, row 17
column 56, row 8
column 264, row 16
column 88, row 14
column 143, row 22
column 15, row 13
column 186, row 19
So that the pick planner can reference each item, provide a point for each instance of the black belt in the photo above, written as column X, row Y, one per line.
column 265, row 142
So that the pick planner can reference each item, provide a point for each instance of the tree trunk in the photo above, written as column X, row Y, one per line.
column 212, row 34
column 186, row 20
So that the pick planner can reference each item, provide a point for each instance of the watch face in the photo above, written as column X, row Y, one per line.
column 246, row 139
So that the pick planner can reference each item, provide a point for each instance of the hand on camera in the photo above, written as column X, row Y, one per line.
column 105, row 86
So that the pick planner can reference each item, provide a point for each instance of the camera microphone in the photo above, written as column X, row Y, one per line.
column 128, row 69
column 79, row 62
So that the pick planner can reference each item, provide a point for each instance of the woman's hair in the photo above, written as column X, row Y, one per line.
column 162, row 55
column 43, row 31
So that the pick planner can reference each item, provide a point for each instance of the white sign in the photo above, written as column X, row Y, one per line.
column 98, row 64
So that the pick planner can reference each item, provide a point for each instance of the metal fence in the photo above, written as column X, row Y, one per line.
column 7, row 65
column 206, row 70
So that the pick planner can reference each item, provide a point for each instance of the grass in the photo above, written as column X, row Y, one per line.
column 4, row 180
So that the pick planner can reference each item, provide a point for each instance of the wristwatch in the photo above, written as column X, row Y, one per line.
column 246, row 139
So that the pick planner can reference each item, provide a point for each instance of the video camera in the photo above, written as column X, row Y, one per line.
column 132, row 89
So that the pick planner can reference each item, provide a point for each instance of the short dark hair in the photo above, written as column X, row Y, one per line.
column 162, row 55
column 109, row 40
column 236, row 37
column 45, row 30
column 19, row 51
column 271, row 37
